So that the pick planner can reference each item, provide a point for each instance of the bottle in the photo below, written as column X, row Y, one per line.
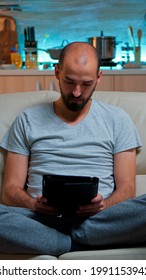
column 12, row 53
column 29, row 61
column 16, row 57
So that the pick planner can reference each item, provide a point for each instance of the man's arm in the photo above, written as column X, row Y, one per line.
column 13, row 189
column 125, row 177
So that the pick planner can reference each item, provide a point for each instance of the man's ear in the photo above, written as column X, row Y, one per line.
column 57, row 71
column 99, row 76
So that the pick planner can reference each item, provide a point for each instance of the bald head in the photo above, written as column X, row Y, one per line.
column 80, row 52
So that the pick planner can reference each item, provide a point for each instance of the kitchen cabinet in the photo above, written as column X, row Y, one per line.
column 12, row 84
column 51, row 83
column 31, row 80
column 111, row 82
column 130, row 83
column 105, row 83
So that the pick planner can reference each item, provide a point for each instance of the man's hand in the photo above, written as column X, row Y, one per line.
column 41, row 205
column 96, row 205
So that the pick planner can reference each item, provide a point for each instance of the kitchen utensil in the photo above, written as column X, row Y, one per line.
column 139, row 35
column 8, row 37
column 131, row 36
column 54, row 52
column 32, row 34
column 138, row 48
column 25, row 35
column 106, row 46
column 29, row 34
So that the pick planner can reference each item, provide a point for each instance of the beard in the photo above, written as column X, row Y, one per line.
column 75, row 103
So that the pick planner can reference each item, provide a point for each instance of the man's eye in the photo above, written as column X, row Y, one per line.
column 69, row 82
column 87, row 84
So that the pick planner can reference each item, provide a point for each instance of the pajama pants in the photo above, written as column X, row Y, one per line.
column 27, row 232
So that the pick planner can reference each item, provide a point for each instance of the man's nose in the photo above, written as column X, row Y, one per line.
column 77, row 91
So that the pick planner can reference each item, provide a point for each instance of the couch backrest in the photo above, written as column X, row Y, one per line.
column 11, row 105
column 132, row 102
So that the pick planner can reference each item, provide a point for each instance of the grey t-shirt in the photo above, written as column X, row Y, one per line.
column 84, row 149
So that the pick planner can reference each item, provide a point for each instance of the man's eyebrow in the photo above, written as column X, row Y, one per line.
column 88, row 82
column 70, row 79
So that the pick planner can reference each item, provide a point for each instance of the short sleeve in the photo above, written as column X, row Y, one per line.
column 15, row 139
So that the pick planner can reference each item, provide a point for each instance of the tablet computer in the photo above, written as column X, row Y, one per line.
column 67, row 193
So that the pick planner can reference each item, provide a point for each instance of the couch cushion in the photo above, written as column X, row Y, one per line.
column 26, row 257
column 134, row 103
column 12, row 104
column 109, row 254
column 140, row 184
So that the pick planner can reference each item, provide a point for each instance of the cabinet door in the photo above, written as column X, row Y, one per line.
column 51, row 83
column 12, row 84
column 130, row 83
column 105, row 83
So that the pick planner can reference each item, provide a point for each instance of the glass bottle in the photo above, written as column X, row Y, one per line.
column 16, row 57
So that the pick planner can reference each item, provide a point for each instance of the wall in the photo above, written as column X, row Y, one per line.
column 78, row 20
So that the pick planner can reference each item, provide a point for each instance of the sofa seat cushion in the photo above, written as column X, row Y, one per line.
column 140, row 184
column 26, row 257
column 109, row 254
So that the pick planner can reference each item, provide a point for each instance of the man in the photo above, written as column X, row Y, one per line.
column 72, row 136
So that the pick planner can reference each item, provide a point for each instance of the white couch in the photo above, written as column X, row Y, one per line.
column 132, row 102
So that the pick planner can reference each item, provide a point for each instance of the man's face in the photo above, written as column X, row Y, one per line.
column 77, row 83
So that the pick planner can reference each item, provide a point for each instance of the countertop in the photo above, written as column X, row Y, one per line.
column 37, row 72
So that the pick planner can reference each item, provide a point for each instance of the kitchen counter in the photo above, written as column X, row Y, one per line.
column 20, row 80
column 37, row 72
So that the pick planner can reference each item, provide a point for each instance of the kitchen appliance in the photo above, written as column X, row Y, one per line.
column 106, row 47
